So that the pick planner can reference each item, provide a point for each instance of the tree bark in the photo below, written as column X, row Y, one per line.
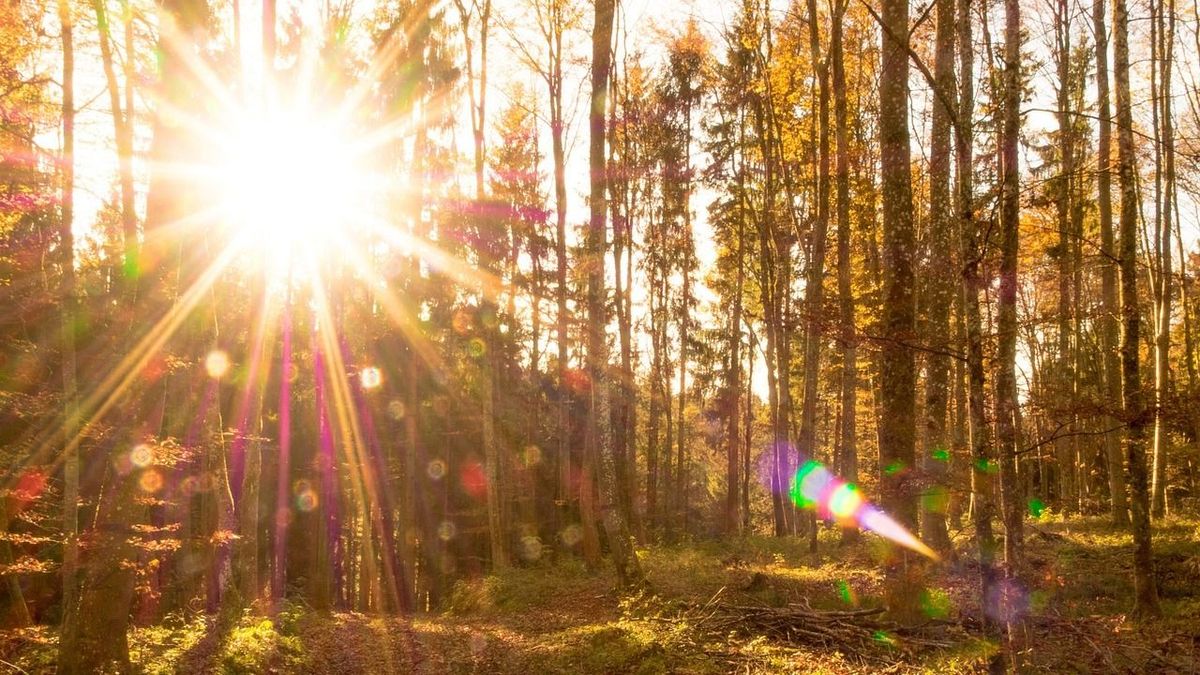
column 897, row 438
column 67, row 296
column 935, row 459
column 616, row 523
column 1118, row 500
column 983, row 460
column 1006, row 334
column 1162, row 343
column 1145, row 590
column 847, row 450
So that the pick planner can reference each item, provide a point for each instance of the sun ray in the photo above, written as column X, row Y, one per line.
column 106, row 394
column 353, row 441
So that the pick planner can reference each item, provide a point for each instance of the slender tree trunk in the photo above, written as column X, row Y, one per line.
column 489, row 363
column 897, row 437
column 733, row 445
column 1145, row 591
column 654, row 416
column 983, row 461
column 1069, row 491
column 67, row 293
column 123, row 133
column 847, row 451
column 616, row 523
column 814, row 286
column 936, row 456
column 1162, row 344
column 558, row 154
column 685, row 309
column 1006, row 333
column 748, row 434
column 1118, row 500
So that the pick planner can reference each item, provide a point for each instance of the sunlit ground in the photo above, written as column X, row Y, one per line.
column 559, row 617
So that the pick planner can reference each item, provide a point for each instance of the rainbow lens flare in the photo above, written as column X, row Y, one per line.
column 816, row 487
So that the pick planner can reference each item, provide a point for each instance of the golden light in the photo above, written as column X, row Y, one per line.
column 371, row 377
column 216, row 364
column 141, row 456
column 289, row 179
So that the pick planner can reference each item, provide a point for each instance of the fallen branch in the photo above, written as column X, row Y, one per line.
column 798, row 623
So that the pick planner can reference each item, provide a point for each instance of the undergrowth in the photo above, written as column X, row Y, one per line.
column 560, row 617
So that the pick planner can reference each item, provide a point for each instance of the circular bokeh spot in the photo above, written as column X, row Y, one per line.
column 533, row 455
column 216, row 364
column 436, row 469
column 473, row 479
column 370, row 377
column 571, row 535
column 307, row 500
column 141, row 456
column 530, row 549
column 397, row 410
column 151, row 481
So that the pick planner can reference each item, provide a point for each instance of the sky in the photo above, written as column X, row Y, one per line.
column 643, row 22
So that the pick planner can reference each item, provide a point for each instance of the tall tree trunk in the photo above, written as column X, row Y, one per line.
column 622, row 257
column 1118, row 500
column 733, row 445
column 123, row 134
column 897, row 437
column 1069, row 491
column 1145, row 591
column 1006, row 334
column 814, row 286
column 983, row 459
column 654, row 415
column 554, row 40
column 936, row 457
column 1162, row 343
column 67, row 296
column 847, row 450
column 616, row 523
column 489, row 362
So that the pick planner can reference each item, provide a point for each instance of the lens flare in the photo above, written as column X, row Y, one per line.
column 845, row 501
column 816, row 487
column 371, row 377
column 141, row 456
column 216, row 364
column 151, row 481
column 436, row 469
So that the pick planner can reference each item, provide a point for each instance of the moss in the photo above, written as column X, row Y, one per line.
column 517, row 589
column 158, row 650
column 256, row 645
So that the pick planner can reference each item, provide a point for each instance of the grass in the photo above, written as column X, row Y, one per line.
column 557, row 617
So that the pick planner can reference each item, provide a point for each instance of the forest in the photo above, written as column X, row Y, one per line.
column 599, row 336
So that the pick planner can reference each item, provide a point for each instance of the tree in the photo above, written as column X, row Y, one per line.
column 936, row 456
column 1165, row 51
column 1145, row 590
column 599, row 450
column 69, row 310
column 983, row 460
column 1118, row 500
column 847, row 448
column 1006, row 333
column 814, row 285
column 480, row 12
column 897, row 438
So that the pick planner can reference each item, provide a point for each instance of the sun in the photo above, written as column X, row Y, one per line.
column 291, row 180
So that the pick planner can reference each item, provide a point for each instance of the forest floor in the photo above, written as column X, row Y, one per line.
column 719, row 606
